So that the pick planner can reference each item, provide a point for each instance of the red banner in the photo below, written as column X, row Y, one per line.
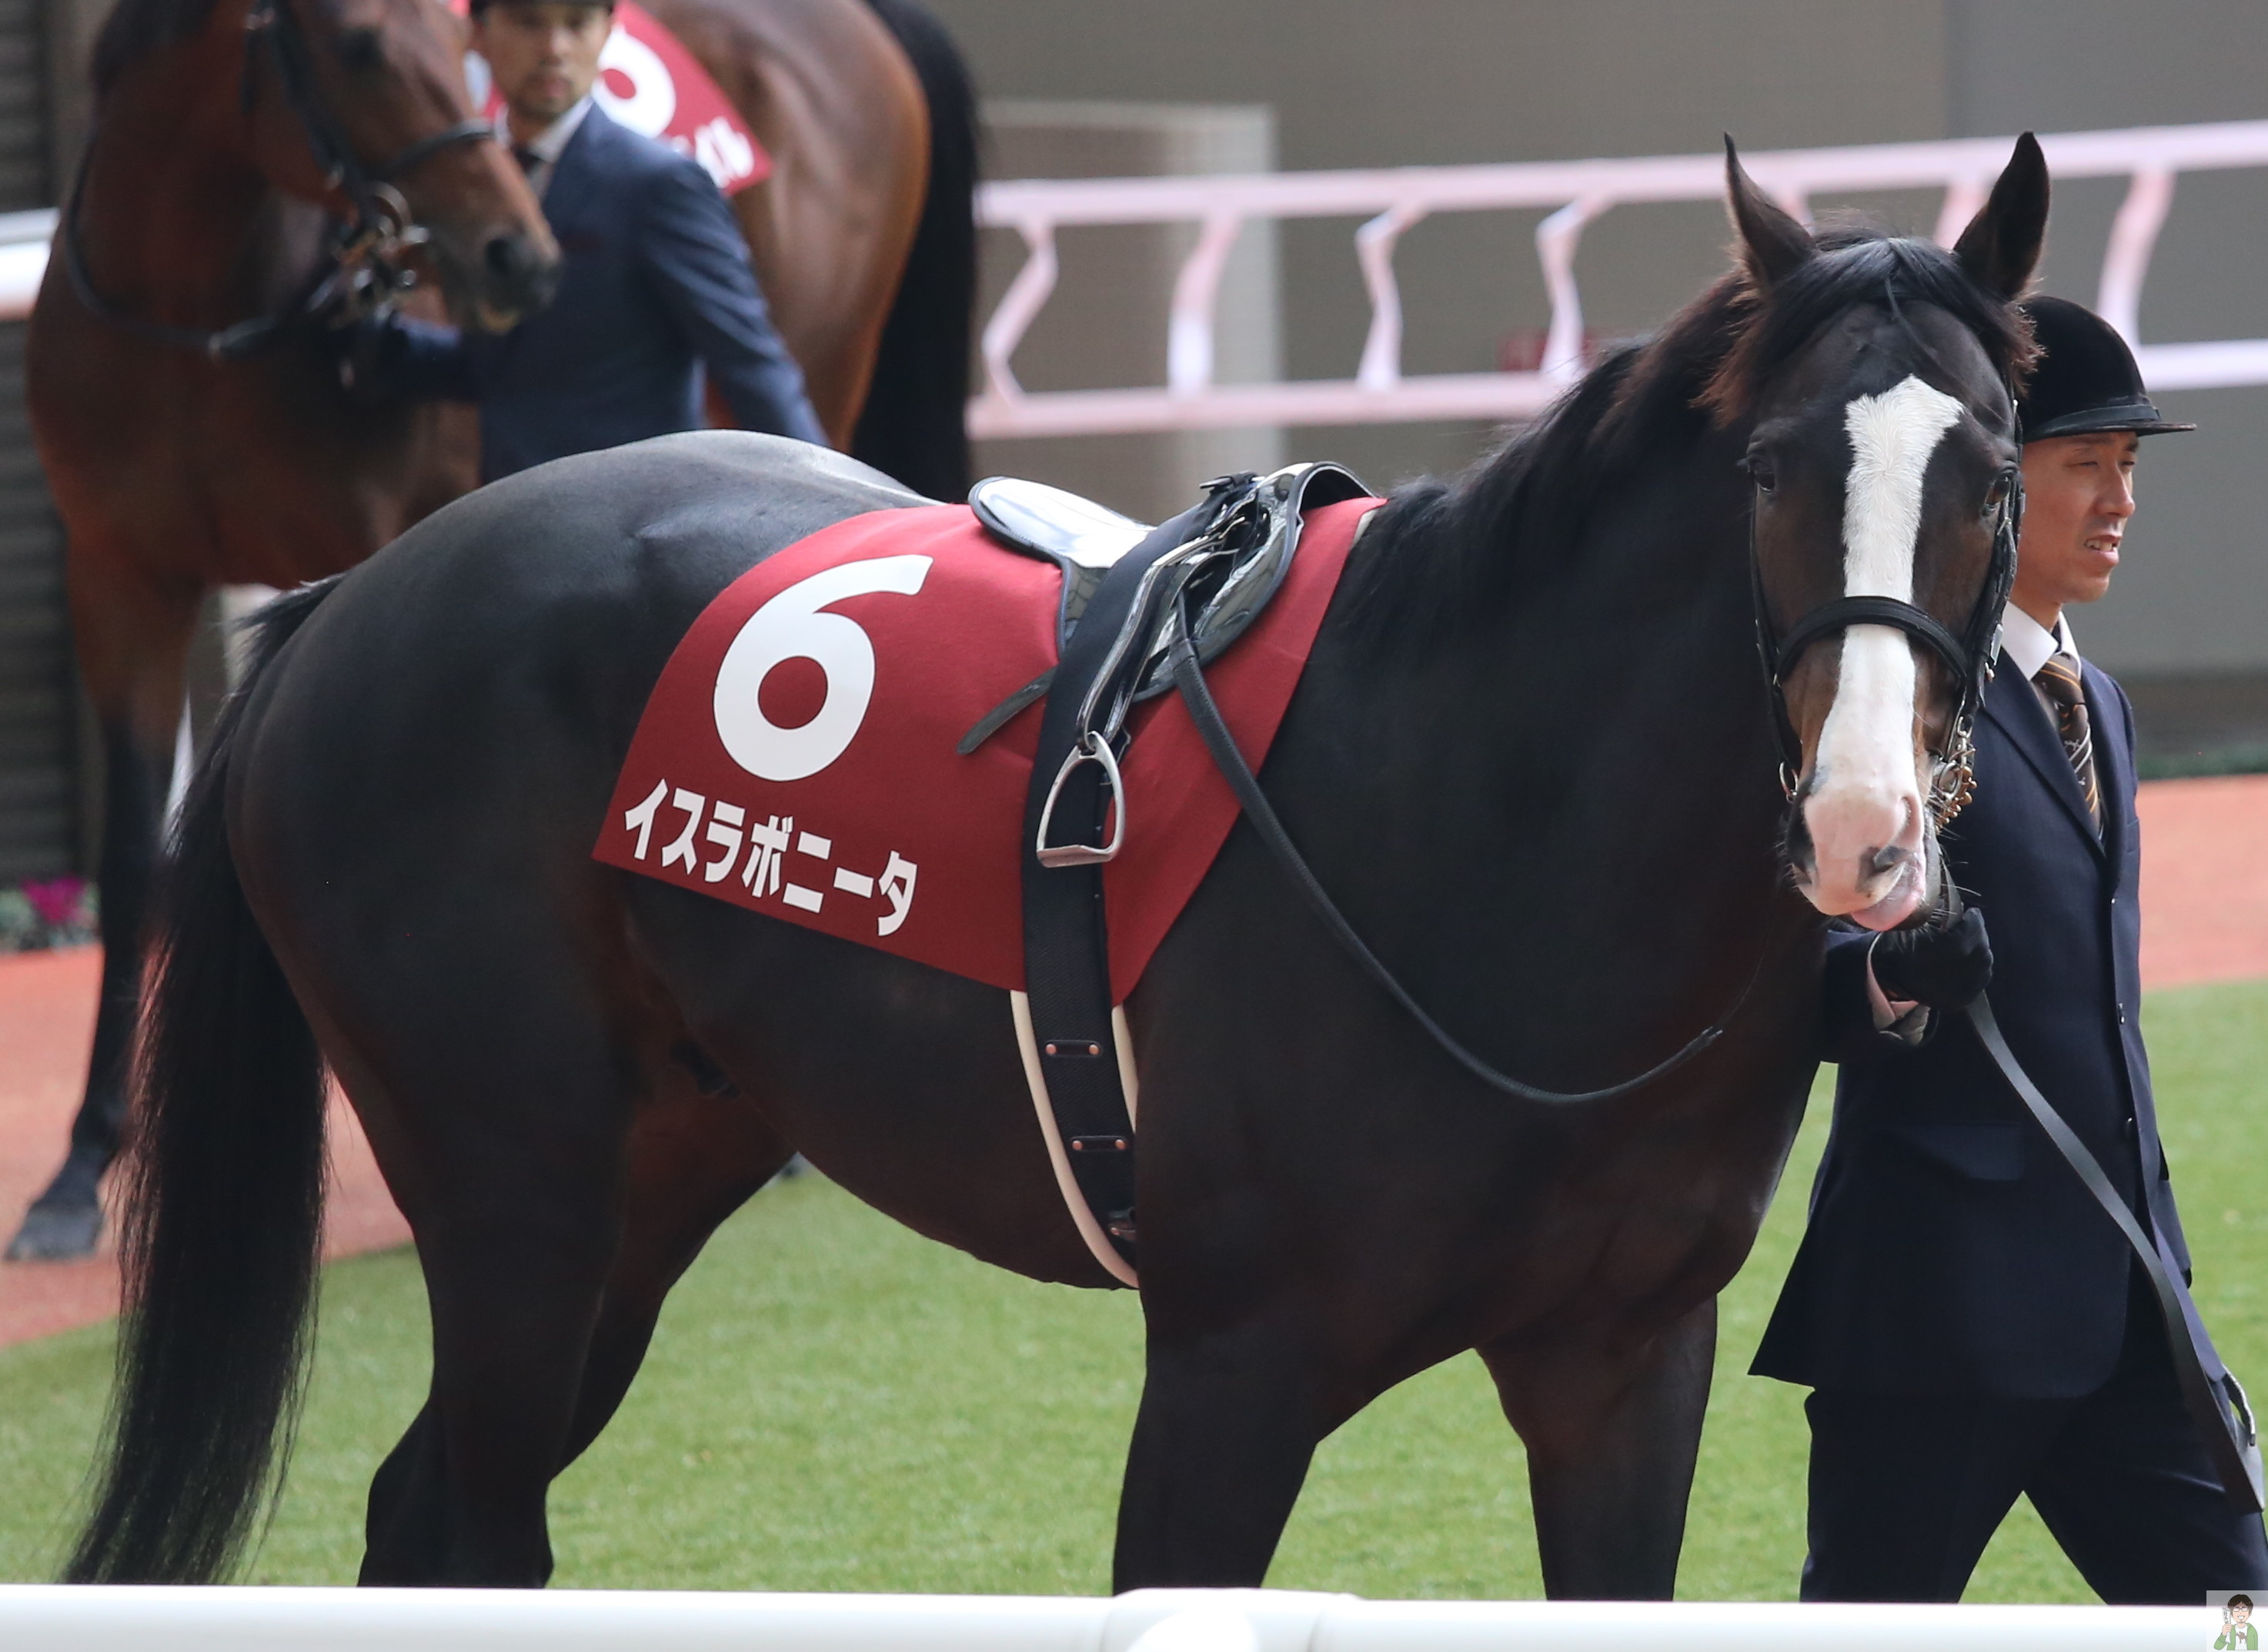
column 796, row 757
column 650, row 83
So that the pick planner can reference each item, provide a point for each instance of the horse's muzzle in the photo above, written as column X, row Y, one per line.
column 1879, row 878
column 517, row 277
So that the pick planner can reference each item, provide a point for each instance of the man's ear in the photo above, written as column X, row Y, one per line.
column 2001, row 246
column 1772, row 244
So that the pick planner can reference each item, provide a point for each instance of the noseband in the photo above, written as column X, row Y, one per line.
column 362, row 273
column 1970, row 656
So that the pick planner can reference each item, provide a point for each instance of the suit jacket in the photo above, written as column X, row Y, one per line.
column 655, row 284
column 1950, row 1249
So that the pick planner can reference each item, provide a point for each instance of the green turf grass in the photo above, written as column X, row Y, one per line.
column 834, row 1404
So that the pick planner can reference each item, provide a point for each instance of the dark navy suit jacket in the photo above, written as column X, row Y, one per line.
column 655, row 283
column 1950, row 1248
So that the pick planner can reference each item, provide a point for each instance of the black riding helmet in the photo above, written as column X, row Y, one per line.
column 2086, row 380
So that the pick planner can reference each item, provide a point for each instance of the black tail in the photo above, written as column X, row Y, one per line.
column 225, row 1211
column 915, row 423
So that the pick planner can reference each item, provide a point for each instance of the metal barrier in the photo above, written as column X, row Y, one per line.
column 1577, row 192
column 47, row 1619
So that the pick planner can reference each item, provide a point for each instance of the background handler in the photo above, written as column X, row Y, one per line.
column 655, row 282
column 1973, row 1326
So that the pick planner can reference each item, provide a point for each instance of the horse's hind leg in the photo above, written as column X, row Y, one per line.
column 583, row 1324
column 500, row 1114
column 1611, row 1442
column 695, row 1158
column 514, row 1299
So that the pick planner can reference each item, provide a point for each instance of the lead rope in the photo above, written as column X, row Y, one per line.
column 1189, row 677
column 2223, row 1419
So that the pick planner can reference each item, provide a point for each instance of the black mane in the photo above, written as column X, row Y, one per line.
column 137, row 26
column 1448, row 551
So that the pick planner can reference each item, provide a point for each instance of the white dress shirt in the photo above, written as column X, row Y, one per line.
column 547, row 145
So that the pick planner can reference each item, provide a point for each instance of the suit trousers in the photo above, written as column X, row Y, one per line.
column 1907, row 1490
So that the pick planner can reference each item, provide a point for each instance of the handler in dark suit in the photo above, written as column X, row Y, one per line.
column 655, row 282
column 1973, row 1325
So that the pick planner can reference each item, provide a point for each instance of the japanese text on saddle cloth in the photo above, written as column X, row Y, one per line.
column 797, row 755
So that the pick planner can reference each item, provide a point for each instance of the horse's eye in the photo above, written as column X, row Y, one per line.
column 1997, row 495
column 1761, row 472
column 361, row 50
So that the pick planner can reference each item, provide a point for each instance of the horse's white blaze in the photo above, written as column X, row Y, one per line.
column 1868, row 786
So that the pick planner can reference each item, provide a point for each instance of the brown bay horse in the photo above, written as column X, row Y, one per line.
column 1533, row 758
column 211, row 189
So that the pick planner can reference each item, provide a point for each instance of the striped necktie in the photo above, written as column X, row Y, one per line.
column 2058, row 683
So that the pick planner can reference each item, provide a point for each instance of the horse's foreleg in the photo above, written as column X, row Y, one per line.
column 134, row 666
column 1611, row 1441
column 1221, row 1447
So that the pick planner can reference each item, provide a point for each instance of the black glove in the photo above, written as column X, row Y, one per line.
column 1943, row 966
column 365, row 349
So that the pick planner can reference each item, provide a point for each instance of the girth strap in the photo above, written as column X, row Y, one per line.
column 1066, row 947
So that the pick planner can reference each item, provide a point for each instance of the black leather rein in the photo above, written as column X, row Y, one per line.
column 379, row 228
column 1969, row 658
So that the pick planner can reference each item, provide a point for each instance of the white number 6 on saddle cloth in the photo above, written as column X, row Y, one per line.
column 791, row 626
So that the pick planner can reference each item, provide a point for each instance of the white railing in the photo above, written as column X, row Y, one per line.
column 1391, row 202
column 1576, row 192
column 50, row 1618
column 24, row 238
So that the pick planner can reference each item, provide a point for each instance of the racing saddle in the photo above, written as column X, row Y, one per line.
column 1130, row 594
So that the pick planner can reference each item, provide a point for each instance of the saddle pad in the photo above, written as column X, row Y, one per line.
column 796, row 757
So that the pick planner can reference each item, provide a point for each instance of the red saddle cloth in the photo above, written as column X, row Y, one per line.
column 796, row 757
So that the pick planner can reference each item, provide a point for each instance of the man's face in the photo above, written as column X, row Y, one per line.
column 2240, row 1613
column 2078, row 490
column 544, row 53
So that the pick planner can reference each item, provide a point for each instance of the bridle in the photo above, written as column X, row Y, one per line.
column 362, row 273
column 1970, row 656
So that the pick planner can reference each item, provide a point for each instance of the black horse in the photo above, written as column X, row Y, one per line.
column 1533, row 757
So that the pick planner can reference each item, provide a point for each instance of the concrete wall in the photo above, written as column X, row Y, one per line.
column 1357, row 83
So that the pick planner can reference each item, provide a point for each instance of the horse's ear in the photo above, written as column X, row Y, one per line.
column 2001, row 246
column 1772, row 243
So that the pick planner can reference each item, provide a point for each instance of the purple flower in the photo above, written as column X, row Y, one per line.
column 57, row 899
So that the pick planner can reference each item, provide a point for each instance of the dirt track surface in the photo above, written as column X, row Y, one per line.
column 47, row 1020
column 2205, row 917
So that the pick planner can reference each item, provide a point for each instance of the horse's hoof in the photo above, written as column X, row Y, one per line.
column 58, row 1233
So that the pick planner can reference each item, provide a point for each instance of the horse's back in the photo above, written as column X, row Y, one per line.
column 494, row 660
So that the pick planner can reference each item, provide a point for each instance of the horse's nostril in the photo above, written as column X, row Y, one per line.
column 1878, row 862
column 508, row 258
column 519, row 277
